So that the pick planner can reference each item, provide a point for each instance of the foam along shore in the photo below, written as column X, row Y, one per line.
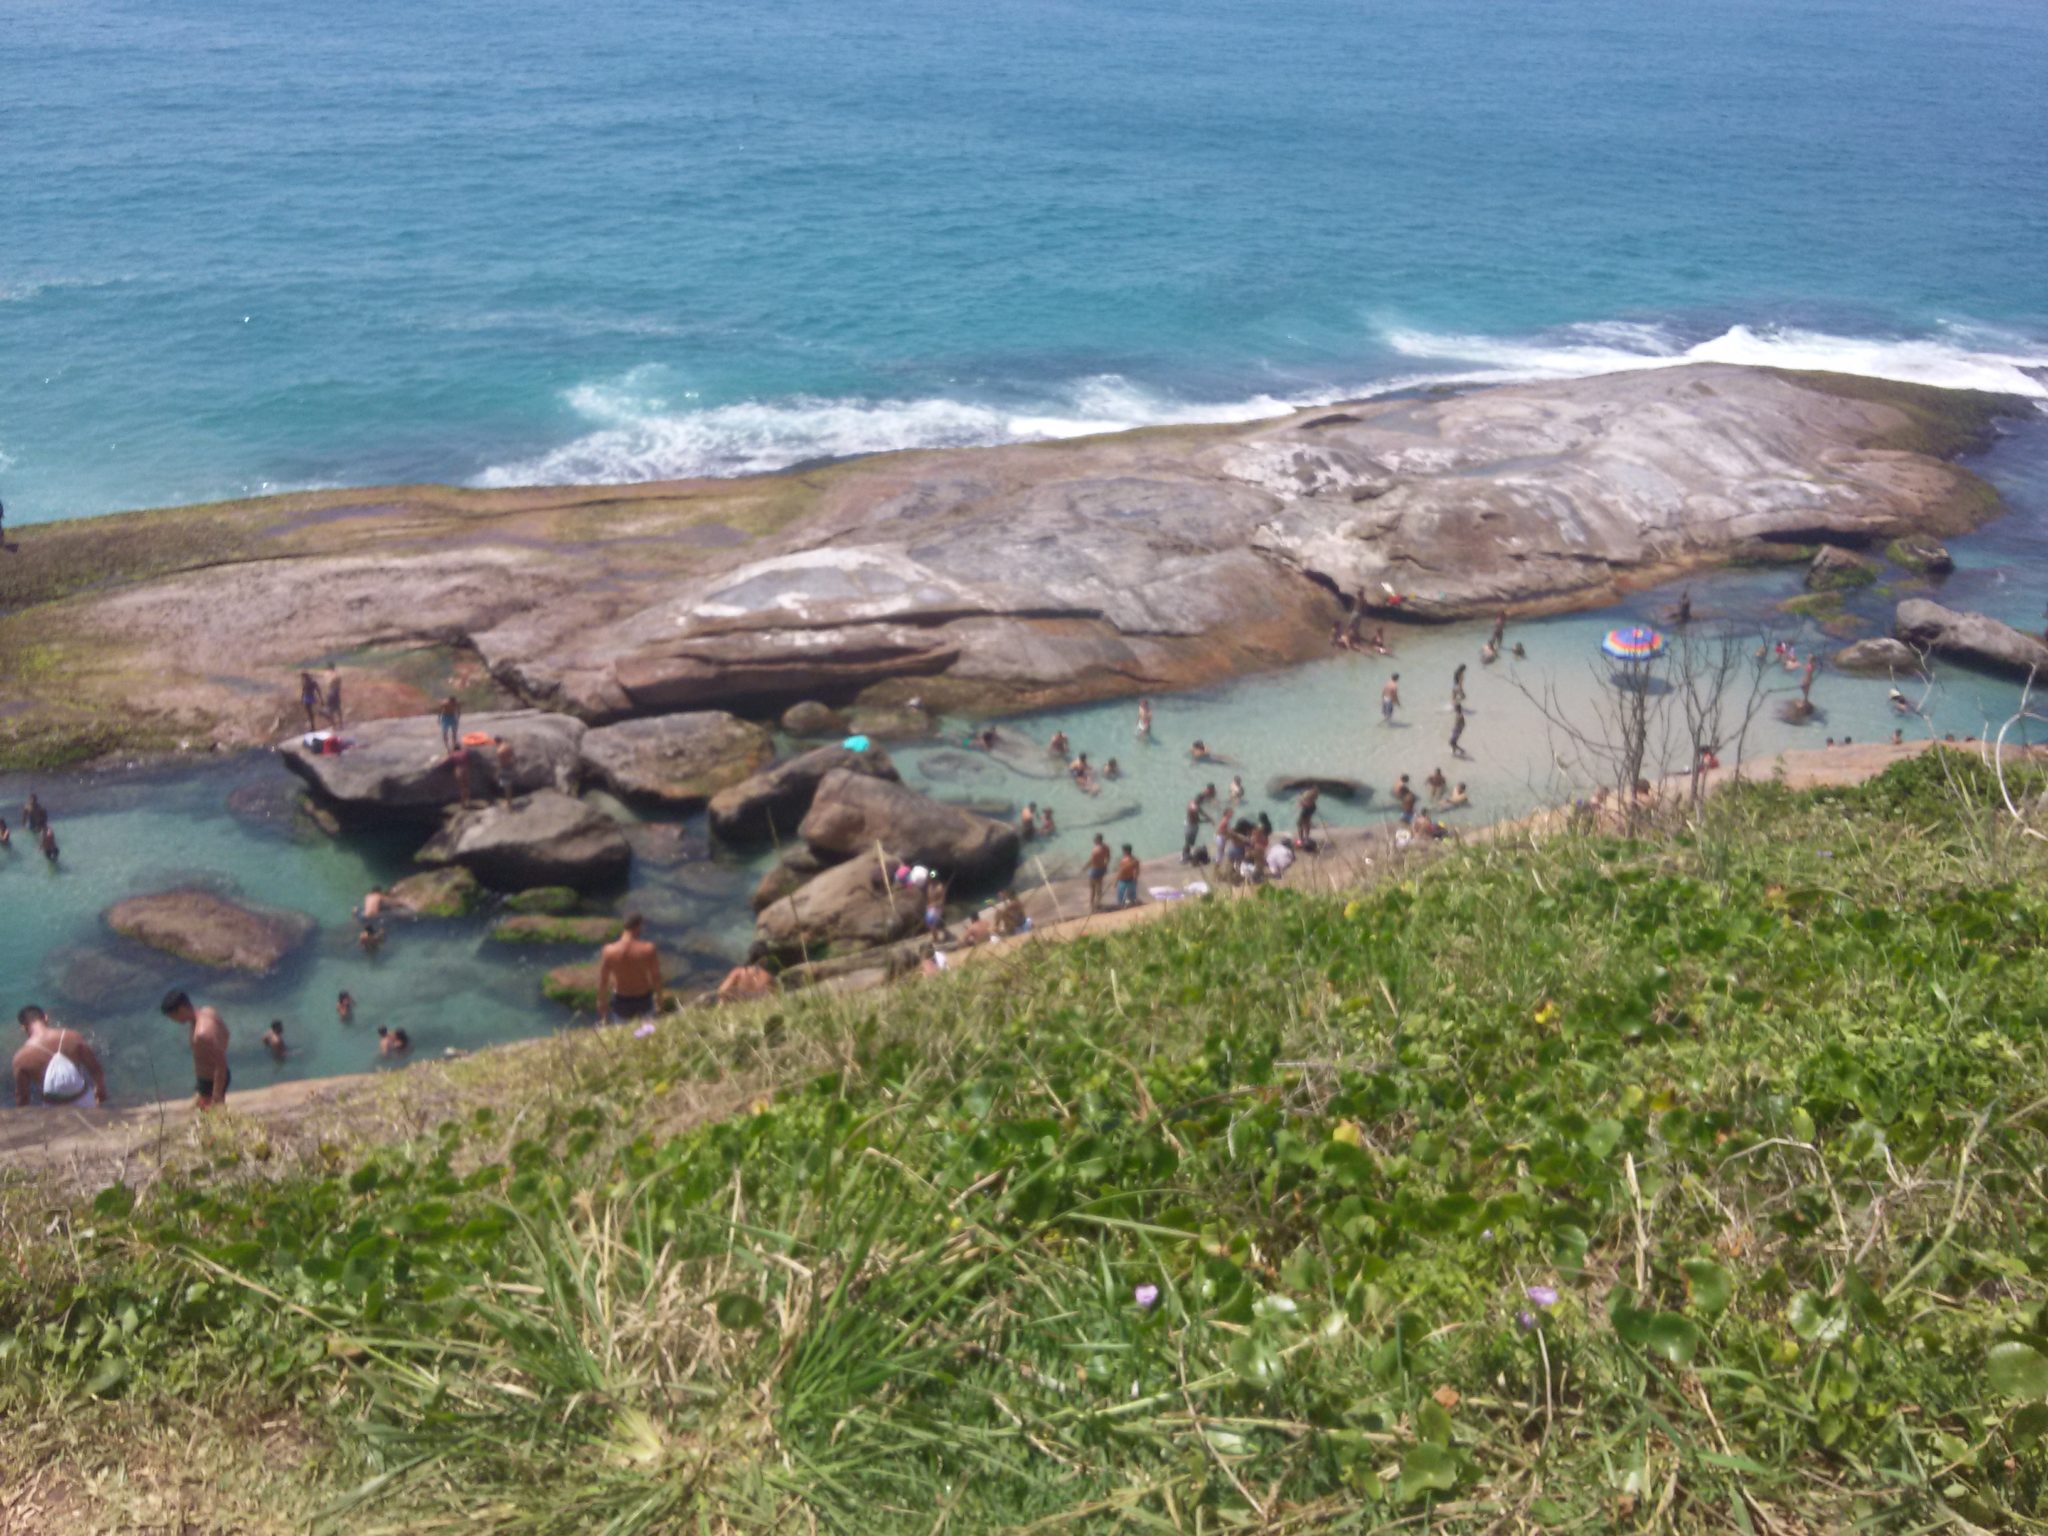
column 984, row 581
column 82, row 1144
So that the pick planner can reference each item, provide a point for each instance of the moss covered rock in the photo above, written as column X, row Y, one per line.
column 548, row 900
column 1837, row 570
column 573, row 986
column 539, row 929
column 439, row 893
column 1917, row 552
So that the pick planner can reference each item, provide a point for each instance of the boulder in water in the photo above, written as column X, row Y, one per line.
column 524, row 928
column 773, row 802
column 451, row 892
column 1969, row 637
column 543, row 839
column 675, row 761
column 1918, row 552
column 854, row 813
column 208, row 929
column 573, row 986
column 794, row 869
column 550, row 900
column 1837, row 570
column 401, row 766
column 815, row 720
column 851, row 906
column 1880, row 655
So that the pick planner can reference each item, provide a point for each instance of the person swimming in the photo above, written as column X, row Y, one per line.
column 392, row 1042
column 273, row 1039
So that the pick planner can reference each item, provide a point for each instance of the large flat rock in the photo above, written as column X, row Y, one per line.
column 402, row 765
column 1969, row 637
column 544, row 839
column 985, row 579
column 675, row 761
column 849, row 907
column 208, row 929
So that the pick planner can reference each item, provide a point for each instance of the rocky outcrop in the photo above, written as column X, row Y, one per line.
column 853, row 814
column 903, row 722
column 1969, row 637
column 771, row 803
column 1835, row 569
column 677, row 762
column 543, row 839
column 993, row 579
column 812, row 719
column 788, row 873
column 1917, row 552
column 208, row 929
column 1878, row 655
column 401, row 766
column 444, row 893
column 849, row 907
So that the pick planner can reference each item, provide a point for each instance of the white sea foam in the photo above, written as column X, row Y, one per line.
column 639, row 428
column 640, row 433
column 1959, row 357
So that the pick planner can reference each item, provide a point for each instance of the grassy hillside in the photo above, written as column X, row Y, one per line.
column 1692, row 1184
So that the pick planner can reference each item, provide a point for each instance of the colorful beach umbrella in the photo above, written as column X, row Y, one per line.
column 1634, row 644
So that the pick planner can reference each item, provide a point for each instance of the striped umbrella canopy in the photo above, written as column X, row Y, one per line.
column 1634, row 644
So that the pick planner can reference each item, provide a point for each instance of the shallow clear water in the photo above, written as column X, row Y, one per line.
column 451, row 989
column 262, row 246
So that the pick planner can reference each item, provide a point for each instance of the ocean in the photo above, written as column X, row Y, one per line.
column 256, row 248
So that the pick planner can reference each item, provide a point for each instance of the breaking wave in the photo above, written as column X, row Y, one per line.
column 637, row 429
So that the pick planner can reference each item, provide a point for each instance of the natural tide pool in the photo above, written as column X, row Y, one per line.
column 232, row 824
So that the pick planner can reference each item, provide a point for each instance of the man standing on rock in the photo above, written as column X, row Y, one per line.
column 56, row 1062
column 1196, row 816
column 209, row 1035
column 309, row 701
column 628, row 976
column 1127, row 879
column 334, row 698
column 1098, row 871
column 1305, row 813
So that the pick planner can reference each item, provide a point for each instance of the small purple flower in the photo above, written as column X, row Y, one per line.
column 1147, row 1296
column 644, row 1030
column 1526, row 1321
column 1542, row 1295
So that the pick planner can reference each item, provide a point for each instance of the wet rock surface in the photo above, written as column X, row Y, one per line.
column 675, row 762
column 771, row 803
column 401, row 765
column 546, row 839
column 209, row 929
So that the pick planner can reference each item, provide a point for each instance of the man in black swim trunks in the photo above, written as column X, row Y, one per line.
column 628, row 976
column 209, row 1035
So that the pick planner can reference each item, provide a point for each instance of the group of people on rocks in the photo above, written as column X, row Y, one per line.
column 36, row 822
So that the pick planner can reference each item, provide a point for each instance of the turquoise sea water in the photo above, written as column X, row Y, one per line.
column 256, row 247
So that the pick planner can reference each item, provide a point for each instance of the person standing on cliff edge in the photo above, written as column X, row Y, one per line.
column 209, row 1035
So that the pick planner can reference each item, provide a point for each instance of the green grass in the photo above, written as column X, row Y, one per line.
column 1763, row 1102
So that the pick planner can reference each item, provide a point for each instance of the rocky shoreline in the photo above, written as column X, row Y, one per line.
column 980, row 581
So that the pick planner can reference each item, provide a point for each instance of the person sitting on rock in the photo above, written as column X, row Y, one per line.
column 1009, row 916
column 743, row 983
column 1458, row 797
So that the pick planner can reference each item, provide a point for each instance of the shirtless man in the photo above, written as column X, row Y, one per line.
column 209, row 1035
column 1437, row 785
column 1127, row 869
column 1098, row 871
column 43, row 1044
column 334, row 698
column 1390, row 699
column 1457, row 729
column 1027, row 822
column 628, row 976
column 1144, row 719
column 309, row 701
column 458, row 765
column 745, row 982
column 1305, row 813
column 373, row 904
column 273, row 1039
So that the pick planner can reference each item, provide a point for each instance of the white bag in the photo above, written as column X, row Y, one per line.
column 62, row 1081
